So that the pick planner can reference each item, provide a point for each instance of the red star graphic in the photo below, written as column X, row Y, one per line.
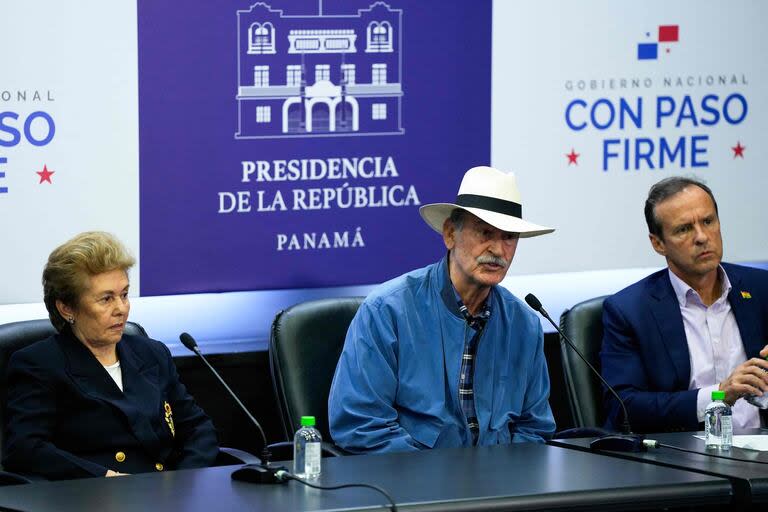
column 45, row 175
column 573, row 157
column 738, row 150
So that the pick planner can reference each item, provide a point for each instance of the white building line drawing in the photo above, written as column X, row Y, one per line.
column 319, row 75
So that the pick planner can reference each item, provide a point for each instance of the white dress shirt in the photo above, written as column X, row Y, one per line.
column 714, row 345
column 117, row 375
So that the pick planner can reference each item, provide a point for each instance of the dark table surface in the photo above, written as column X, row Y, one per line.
column 750, row 479
column 516, row 477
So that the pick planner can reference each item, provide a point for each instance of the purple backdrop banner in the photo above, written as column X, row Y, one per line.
column 289, row 144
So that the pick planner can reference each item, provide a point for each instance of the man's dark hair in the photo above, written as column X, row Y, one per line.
column 458, row 216
column 662, row 191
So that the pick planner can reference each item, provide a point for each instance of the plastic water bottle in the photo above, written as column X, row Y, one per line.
column 718, row 427
column 306, row 449
column 758, row 401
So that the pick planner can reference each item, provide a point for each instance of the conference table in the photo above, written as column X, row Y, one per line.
column 511, row 477
column 749, row 476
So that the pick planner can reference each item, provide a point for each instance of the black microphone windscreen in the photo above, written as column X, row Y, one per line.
column 533, row 302
column 188, row 341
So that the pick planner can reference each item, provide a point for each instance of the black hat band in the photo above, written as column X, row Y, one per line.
column 491, row 204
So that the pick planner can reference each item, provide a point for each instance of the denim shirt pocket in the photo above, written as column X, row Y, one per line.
column 425, row 434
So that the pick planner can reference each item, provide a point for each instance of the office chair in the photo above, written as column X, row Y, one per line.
column 304, row 346
column 583, row 324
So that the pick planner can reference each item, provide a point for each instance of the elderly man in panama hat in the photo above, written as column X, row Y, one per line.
column 442, row 356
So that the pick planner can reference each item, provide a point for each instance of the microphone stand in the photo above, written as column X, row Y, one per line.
column 263, row 473
column 266, row 473
column 625, row 441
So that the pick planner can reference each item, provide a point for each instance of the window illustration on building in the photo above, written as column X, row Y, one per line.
column 348, row 73
column 379, row 37
column 379, row 74
column 343, row 72
column 261, row 76
column 261, row 38
column 263, row 114
column 293, row 75
column 322, row 72
column 379, row 111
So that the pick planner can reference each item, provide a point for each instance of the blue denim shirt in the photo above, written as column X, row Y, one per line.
column 396, row 383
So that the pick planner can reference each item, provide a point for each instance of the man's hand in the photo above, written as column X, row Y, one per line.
column 111, row 473
column 749, row 378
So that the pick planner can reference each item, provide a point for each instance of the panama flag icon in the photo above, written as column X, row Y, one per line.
column 666, row 34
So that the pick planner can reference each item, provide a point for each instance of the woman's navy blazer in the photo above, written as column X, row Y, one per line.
column 66, row 417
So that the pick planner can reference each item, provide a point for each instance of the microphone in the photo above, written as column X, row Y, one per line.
column 624, row 442
column 256, row 473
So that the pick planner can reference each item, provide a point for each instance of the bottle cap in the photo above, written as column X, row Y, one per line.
column 716, row 395
column 307, row 421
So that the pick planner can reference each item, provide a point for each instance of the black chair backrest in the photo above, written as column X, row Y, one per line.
column 583, row 324
column 17, row 335
column 304, row 346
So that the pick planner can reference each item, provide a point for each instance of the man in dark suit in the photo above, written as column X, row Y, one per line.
column 697, row 326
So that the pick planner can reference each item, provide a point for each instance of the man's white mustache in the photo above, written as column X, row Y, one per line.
column 494, row 260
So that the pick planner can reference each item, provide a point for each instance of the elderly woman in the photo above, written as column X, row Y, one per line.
column 92, row 401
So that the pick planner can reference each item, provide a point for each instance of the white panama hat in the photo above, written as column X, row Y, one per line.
column 490, row 194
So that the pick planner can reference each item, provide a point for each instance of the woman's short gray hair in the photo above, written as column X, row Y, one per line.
column 65, row 276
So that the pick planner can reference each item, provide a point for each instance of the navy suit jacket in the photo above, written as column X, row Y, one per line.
column 66, row 417
column 645, row 352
